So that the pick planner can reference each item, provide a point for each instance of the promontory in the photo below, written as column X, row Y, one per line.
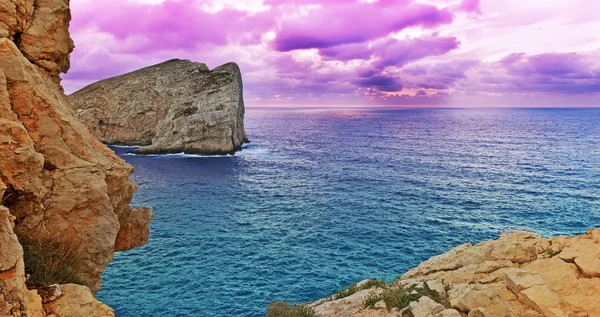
column 173, row 107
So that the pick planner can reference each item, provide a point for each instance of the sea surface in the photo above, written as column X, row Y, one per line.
column 323, row 198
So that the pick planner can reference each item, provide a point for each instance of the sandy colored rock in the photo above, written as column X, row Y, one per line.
column 479, row 312
column 350, row 306
column 176, row 106
column 425, row 307
column 134, row 230
column 32, row 304
column 438, row 287
column 15, row 17
column 61, row 183
column 466, row 297
column 518, row 280
column 12, row 270
column 46, row 41
column 517, row 248
column 520, row 275
column 77, row 301
column 545, row 301
column 447, row 313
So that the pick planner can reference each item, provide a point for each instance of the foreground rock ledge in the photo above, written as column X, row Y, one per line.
column 173, row 107
column 520, row 275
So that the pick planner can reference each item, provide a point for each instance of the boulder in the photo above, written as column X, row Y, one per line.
column 176, row 106
column 77, row 301
column 425, row 307
column 467, row 297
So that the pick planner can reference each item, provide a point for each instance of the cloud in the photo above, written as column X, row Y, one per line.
column 336, row 23
column 345, row 51
column 380, row 82
column 172, row 24
column 391, row 51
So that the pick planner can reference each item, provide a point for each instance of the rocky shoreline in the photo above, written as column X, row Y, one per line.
column 520, row 274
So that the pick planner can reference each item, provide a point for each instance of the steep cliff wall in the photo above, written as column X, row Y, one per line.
column 59, row 183
column 176, row 106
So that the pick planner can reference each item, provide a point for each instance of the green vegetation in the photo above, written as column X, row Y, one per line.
column 400, row 297
column 283, row 309
column 51, row 262
column 354, row 288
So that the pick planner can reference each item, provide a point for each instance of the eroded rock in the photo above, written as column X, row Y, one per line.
column 176, row 106
column 59, row 183
column 77, row 301
column 520, row 274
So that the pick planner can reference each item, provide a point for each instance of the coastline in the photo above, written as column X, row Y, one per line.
column 519, row 274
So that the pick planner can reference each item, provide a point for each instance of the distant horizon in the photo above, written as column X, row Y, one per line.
column 405, row 53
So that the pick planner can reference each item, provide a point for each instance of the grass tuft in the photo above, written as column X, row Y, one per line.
column 354, row 288
column 49, row 262
column 400, row 297
column 283, row 309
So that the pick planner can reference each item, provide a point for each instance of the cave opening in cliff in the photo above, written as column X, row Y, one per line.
column 17, row 38
column 10, row 197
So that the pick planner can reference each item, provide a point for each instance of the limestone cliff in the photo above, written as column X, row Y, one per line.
column 176, row 106
column 59, row 184
column 520, row 275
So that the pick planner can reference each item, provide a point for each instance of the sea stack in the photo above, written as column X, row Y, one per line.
column 173, row 107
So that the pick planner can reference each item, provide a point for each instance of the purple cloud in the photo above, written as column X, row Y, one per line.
column 358, row 56
column 172, row 24
column 344, row 23
column 392, row 52
column 381, row 83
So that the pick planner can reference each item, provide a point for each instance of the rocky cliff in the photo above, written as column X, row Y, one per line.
column 58, row 185
column 520, row 275
column 176, row 106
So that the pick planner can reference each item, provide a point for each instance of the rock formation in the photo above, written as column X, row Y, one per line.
column 176, row 106
column 520, row 275
column 57, row 182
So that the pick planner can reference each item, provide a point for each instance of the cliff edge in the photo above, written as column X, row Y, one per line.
column 173, row 107
column 59, row 186
column 519, row 275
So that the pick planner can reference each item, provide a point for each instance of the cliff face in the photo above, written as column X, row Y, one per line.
column 59, row 184
column 176, row 106
column 520, row 274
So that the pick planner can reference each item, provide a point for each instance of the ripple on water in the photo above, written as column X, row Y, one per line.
column 322, row 199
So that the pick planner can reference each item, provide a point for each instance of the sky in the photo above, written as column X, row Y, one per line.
column 405, row 53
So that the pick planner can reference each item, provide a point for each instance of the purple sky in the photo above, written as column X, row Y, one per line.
column 356, row 52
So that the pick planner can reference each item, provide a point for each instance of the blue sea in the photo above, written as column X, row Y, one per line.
column 323, row 198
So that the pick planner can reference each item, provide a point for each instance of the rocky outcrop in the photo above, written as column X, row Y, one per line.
column 58, row 183
column 520, row 275
column 176, row 106
column 77, row 300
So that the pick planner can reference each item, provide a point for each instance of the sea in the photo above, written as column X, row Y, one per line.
column 323, row 198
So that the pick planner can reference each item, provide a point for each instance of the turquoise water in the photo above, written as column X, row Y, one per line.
column 325, row 198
